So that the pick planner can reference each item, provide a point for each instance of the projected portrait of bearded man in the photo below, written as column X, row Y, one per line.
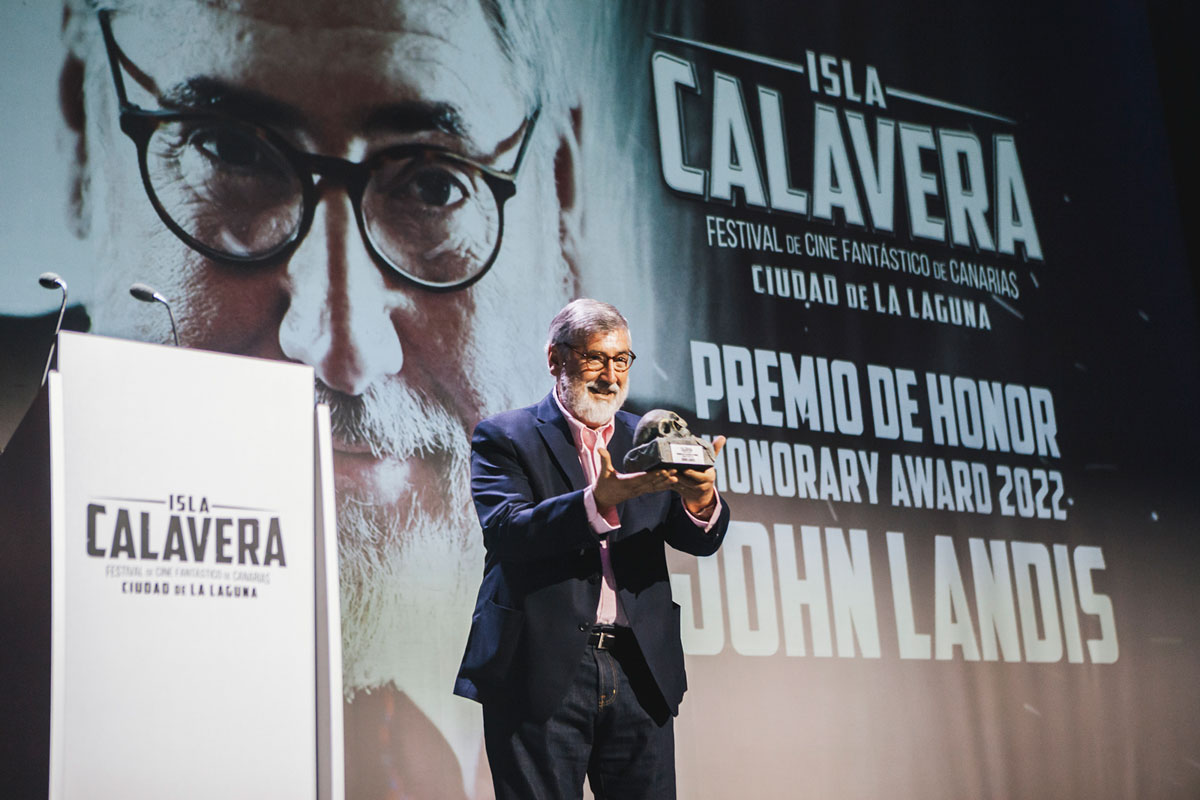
column 384, row 191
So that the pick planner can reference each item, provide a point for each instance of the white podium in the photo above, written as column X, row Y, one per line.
column 195, row 642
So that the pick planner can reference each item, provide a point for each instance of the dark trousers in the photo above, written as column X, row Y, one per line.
column 612, row 726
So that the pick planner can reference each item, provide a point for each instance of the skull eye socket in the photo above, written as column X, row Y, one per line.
column 672, row 425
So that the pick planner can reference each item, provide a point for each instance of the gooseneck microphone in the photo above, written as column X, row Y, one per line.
column 147, row 295
column 52, row 280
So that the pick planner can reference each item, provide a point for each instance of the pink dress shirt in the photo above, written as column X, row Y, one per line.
column 587, row 442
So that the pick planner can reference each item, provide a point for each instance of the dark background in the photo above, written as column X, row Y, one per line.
column 1104, row 96
column 1173, row 25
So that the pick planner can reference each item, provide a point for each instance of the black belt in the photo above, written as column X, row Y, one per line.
column 608, row 637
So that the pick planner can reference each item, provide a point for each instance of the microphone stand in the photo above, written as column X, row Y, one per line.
column 50, row 280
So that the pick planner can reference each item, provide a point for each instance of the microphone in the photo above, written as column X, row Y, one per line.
column 147, row 295
column 52, row 280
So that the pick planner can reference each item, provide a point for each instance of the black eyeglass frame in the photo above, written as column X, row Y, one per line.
column 139, row 124
column 589, row 354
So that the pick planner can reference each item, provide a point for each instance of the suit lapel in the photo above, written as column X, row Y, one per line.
column 556, row 434
column 622, row 443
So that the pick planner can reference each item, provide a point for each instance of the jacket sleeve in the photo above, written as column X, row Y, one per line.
column 684, row 534
column 516, row 525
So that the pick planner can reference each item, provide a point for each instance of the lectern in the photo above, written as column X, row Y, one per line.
column 195, row 630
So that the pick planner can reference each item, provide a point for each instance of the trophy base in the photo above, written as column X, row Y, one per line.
column 663, row 454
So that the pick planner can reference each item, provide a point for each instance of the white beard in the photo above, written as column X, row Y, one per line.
column 408, row 575
column 383, row 589
column 588, row 407
column 406, row 611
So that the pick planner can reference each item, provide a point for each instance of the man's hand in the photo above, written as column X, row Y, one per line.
column 614, row 487
column 696, row 486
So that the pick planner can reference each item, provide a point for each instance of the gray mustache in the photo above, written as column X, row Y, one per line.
column 392, row 421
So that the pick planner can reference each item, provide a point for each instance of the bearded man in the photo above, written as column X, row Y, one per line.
column 369, row 188
column 574, row 648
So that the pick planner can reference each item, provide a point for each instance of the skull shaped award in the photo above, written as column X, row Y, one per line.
column 662, row 441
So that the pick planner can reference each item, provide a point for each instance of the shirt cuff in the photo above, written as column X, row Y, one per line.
column 706, row 524
column 601, row 523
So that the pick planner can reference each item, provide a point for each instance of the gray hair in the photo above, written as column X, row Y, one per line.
column 582, row 318
column 528, row 33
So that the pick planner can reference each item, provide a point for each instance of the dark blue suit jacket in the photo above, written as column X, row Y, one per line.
column 541, row 580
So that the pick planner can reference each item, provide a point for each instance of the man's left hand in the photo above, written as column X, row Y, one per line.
column 696, row 487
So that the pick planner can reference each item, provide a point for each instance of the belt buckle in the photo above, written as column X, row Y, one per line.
column 602, row 639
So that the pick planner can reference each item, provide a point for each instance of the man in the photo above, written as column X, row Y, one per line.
column 333, row 188
column 574, row 648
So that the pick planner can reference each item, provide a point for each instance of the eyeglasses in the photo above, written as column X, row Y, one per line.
column 240, row 194
column 595, row 361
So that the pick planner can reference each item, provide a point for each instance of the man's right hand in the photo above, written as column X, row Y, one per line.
column 614, row 487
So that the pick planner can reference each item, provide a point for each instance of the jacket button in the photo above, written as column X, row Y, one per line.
column 583, row 626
